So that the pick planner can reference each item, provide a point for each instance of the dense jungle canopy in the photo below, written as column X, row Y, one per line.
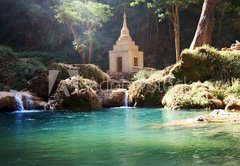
column 30, row 25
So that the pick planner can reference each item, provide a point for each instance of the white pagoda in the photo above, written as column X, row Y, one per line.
column 125, row 56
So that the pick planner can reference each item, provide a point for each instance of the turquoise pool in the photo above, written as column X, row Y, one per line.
column 112, row 137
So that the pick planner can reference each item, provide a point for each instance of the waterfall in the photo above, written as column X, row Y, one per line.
column 29, row 102
column 19, row 103
column 126, row 99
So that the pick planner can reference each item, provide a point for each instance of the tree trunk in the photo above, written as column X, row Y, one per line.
column 90, row 52
column 79, row 48
column 176, row 25
column 83, row 56
column 205, row 27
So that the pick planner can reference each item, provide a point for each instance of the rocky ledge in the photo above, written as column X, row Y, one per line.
column 217, row 116
column 12, row 101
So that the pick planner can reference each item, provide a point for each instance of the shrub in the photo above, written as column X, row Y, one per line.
column 205, row 63
column 6, row 54
column 219, row 89
column 234, row 88
column 43, row 57
column 17, row 68
column 4, row 87
column 143, row 74
column 219, row 93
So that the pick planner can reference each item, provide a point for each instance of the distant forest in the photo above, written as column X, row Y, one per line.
column 30, row 25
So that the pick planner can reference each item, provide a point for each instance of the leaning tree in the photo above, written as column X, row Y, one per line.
column 83, row 18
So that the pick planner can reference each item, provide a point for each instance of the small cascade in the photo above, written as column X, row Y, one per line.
column 135, row 104
column 19, row 102
column 29, row 102
column 126, row 99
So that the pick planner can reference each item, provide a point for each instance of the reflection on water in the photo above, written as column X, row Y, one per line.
column 114, row 137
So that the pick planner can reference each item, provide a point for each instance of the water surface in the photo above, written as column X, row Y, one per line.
column 114, row 137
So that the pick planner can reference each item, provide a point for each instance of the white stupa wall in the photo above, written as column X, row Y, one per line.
column 125, row 49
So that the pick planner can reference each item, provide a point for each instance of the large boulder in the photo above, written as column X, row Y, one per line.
column 194, row 96
column 39, row 85
column 233, row 105
column 12, row 101
column 149, row 92
column 235, row 46
column 7, row 102
column 88, row 71
column 112, row 98
column 75, row 94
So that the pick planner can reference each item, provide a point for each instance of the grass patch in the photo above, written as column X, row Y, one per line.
column 143, row 74
column 7, row 54
column 234, row 89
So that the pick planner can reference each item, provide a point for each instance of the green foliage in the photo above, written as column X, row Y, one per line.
column 17, row 68
column 34, row 54
column 164, row 7
column 78, row 12
column 7, row 54
column 38, row 58
column 88, row 15
column 205, row 63
column 219, row 93
column 31, row 25
column 234, row 88
column 143, row 74
column 4, row 87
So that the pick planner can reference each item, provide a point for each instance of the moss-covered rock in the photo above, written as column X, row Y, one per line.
column 194, row 96
column 205, row 63
column 149, row 92
column 88, row 71
column 76, row 94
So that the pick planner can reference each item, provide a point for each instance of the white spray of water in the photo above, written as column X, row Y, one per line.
column 126, row 99
column 29, row 102
column 19, row 102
